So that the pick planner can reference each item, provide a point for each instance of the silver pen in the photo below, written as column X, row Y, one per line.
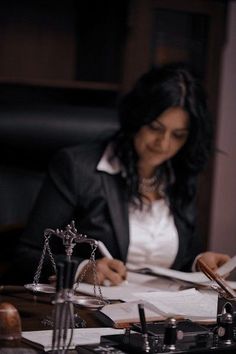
column 104, row 251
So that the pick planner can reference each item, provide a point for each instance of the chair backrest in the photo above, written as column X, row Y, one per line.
column 34, row 124
column 31, row 131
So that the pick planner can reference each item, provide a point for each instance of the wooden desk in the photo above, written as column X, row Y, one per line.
column 34, row 308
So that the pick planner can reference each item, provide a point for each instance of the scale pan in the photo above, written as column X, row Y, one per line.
column 88, row 302
column 41, row 288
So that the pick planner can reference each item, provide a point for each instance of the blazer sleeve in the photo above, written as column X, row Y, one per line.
column 190, row 243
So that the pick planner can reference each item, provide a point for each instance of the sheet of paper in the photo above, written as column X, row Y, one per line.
column 194, row 277
column 232, row 284
column 136, row 283
column 191, row 303
column 227, row 267
column 81, row 336
column 128, row 312
column 162, row 279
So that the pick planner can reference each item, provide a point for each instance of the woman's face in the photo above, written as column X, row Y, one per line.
column 160, row 140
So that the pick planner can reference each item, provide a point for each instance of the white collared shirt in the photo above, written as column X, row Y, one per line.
column 153, row 234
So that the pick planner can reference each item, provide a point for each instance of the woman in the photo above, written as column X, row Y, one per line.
column 138, row 194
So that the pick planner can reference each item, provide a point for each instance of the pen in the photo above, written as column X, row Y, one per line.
column 104, row 251
column 146, row 346
column 217, row 278
column 142, row 318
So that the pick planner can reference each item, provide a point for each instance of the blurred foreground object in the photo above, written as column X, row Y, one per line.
column 10, row 323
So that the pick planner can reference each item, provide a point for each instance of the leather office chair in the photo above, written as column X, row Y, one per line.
column 31, row 131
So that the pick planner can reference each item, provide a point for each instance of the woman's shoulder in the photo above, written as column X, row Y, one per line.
column 79, row 154
column 74, row 168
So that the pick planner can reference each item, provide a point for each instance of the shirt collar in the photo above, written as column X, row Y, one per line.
column 109, row 162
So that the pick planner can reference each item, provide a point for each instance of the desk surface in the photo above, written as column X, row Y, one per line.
column 34, row 308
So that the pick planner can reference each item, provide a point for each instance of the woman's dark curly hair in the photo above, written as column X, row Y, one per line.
column 172, row 85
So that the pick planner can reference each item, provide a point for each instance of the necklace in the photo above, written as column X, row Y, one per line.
column 147, row 185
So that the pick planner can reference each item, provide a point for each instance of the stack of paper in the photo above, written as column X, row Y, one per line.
column 190, row 304
column 135, row 283
column 163, row 295
column 82, row 336
column 192, row 277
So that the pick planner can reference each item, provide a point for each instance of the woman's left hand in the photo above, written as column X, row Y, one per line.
column 214, row 260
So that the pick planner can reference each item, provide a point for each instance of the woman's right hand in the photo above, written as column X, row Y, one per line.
column 109, row 271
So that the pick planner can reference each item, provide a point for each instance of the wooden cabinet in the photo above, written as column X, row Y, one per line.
column 106, row 45
column 97, row 49
column 65, row 44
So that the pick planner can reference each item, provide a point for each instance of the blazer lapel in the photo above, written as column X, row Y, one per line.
column 118, row 208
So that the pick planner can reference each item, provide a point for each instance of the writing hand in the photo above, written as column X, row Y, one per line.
column 112, row 270
column 214, row 260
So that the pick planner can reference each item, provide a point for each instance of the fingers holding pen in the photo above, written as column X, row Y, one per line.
column 214, row 260
column 112, row 270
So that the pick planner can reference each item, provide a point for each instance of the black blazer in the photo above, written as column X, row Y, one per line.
column 74, row 189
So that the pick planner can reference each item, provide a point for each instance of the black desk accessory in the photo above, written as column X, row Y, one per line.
column 178, row 336
column 226, row 309
column 170, row 336
column 145, row 340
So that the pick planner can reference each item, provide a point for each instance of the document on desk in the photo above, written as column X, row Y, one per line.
column 192, row 277
column 82, row 336
column 189, row 304
column 135, row 283
column 161, row 279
